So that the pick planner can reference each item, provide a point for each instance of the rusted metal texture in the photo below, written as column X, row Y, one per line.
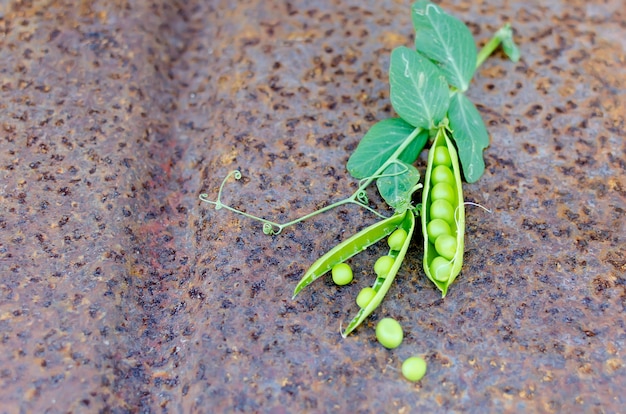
column 121, row 292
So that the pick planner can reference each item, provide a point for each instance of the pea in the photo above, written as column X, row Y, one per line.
column 396, row 240
column 445, row 245
column 436, row 228
column 442, row 209
column 365, row 296
column 389, row 333
column 414, row 368
column 342, row 274
column 442, row 174
column 440, row 268
column 443, row 191
column 442, row 157
column 383, row 266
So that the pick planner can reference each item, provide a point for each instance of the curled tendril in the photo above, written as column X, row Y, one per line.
column 218, row 203
column 271, row 229
column 361, row 196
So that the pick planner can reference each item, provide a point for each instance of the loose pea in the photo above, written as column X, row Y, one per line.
column 342, row 274
column 436, row 228
column 383, row 266
column 396, row 240
column 440, row 268
column 445, row 245
column 414, row 368
column 441, row 174
column 443, row 191
column 442, row 157
column 442, row 209
column 389, row 333
column 365, row 296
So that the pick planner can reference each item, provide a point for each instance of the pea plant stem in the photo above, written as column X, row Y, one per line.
column 354, row 198
column 270, row 227
column 394, row 157
column 491, row 46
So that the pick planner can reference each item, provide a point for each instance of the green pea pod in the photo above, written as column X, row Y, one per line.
column 348, row 248
column 443, row 215
column 382, row 284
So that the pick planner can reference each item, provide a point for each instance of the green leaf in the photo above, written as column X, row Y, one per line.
column 380, row 142
column 418, row 91
column 469, row 134
column 447, row 41
column 508, row 44
column 398, row 184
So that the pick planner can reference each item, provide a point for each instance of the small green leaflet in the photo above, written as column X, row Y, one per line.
column 508, row 45
column 380, row 142
column 469, row 134
column 398, row 184
column 445, row 40
column 418, row 91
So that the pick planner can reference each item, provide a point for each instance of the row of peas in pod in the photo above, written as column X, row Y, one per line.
column 443, row 214
column 342, row 272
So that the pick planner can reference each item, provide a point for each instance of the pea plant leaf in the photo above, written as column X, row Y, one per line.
column 418, row 91
column 397, row 185
column 469, row 134
column 379, row 144
column 445, row 40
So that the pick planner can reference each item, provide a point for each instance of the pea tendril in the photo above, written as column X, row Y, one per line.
column 359, row 197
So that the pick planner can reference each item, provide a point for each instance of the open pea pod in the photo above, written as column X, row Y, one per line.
column 443, row 214
column 382, row 284
column 348, row 248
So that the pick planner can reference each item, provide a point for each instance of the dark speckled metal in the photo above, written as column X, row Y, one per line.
column 121, row 292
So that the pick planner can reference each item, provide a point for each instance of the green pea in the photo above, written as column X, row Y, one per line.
column 342, row 274
column 440, row 268
column 396, row 240
column 442, row 174
column 436, row 228
column 414, row 368
column 383, row 265
column 443, row 191
column 442, row 156
column 389, row 333
column 445, row 245
column 442, row 209
column 365, row 296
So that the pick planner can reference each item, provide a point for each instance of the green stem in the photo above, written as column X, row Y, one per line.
column 323, row 209
column 270, row 227
column 363, row 186
column 390, row 160
column 491, row 46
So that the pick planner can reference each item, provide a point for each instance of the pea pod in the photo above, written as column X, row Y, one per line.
column 382, row 284
column 443, row 266
column 348, row 248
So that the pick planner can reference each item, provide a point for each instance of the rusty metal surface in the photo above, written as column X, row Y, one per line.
column 120, row 292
